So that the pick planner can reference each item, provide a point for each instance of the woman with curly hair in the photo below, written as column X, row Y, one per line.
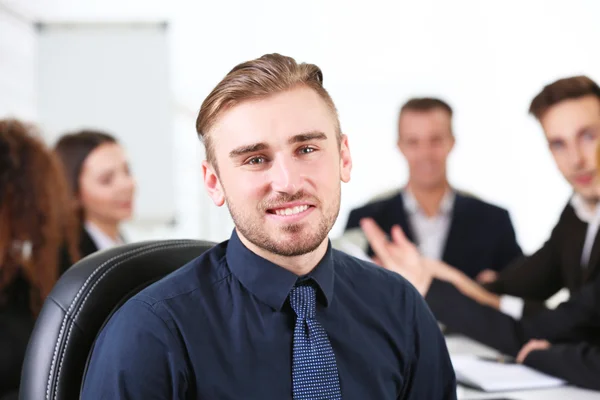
column 38, row 239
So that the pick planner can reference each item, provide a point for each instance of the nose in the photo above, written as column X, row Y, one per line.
column 127, row 183
column 285, row 175
column 428, row 151
column 576, row 158
column 425, row 152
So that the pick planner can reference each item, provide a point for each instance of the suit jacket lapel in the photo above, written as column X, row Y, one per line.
column 398, row 216
column 457, row 226
column 592, row 267
column 574, row 242
column 87, row 245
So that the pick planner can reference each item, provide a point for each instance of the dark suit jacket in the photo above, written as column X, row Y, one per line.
column 16, row 325
column 481, row 235
column 573, row 328
column 555, row 266
column 16, row 320
column 86, row 244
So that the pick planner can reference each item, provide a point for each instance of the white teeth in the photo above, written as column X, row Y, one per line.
column 291, row 211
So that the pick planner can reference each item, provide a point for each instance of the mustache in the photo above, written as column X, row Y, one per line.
column 283, row 198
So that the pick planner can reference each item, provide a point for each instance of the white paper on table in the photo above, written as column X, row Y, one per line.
column 493, row 376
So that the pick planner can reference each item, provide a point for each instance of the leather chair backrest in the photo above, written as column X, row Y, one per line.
column 82, row 301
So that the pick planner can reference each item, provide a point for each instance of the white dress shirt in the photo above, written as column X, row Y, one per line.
column 513, row 306
column 430, row 232
column 101, row 239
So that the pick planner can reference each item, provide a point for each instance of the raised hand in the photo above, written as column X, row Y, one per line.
column 398, row 255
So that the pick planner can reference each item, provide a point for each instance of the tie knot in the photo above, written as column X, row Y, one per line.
column 303, row 300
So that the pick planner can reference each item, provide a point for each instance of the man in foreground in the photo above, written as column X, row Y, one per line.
column 274, row 312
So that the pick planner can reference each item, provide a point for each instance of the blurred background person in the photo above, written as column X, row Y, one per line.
column 38, row 239
column 563, row 342
column 568, row 110
column 101, row 184
column 474, row 236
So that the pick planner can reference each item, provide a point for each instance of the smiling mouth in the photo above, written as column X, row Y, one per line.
column 584, row 178
column 289, row 211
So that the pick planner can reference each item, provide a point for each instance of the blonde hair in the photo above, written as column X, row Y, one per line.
column 255, row 79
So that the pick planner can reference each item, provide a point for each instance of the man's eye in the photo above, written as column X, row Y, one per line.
column 306, row 150
column 556, row 145
column 256, row 160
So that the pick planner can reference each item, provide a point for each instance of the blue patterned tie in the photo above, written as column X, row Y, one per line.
column 314, row 371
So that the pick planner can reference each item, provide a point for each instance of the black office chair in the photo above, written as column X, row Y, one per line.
column 82, row 301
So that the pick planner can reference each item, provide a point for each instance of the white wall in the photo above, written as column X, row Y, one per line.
column 114, row 77
column 17, row 64
column 488, row 59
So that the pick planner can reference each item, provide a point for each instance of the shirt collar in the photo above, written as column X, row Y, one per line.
column 101, row 239
column 271, row 283
column 582, row 209
column 412, row 206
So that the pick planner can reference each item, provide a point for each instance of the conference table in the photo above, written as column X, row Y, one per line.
column 458, row 344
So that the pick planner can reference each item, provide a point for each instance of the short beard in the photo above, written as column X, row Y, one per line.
column 254, row 232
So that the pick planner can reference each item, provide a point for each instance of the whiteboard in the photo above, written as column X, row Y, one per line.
column 113, row 77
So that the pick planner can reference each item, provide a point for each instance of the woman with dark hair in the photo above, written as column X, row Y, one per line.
column 101, row 185
column 38, row 239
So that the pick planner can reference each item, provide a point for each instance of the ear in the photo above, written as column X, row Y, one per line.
column 213, row 184
column 345, row 160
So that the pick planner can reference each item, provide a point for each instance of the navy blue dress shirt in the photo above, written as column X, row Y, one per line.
column 221, row 327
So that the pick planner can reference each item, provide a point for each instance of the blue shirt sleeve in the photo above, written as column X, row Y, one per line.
column 136, row 357
column 430, row 375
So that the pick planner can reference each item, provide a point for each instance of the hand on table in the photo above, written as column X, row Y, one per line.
column 532, row 345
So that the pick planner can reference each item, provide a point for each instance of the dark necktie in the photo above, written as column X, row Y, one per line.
column 314, row 371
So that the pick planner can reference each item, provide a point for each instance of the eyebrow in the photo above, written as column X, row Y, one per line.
column 114, row 168
column 307, row 137
column 300, row 138
column 240, row 151
column 585, row 129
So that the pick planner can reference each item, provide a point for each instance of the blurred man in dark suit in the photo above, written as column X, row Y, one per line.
column 564, row 342
column 569, row 112
column 474, row 236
